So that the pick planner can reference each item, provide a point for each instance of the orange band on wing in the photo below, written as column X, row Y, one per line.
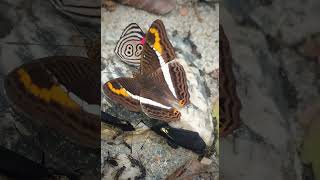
column 182, row 103
column 120, row 91
column 156, row 44
column 55, row 93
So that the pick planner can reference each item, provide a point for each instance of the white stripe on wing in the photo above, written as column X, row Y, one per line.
column 147, row 101
column 166, row 73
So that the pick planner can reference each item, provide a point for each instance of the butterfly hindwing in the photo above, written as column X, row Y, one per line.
column 161, row 113
column 130, row 45
column 156, row 100
column 166, row 88
column 179, row 81
column 124, row 91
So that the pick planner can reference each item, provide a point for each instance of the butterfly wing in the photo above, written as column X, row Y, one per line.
column 230, row 104
column 161, row 85
column 165, row 90
column 124, row 91
column 176, row 80
column 51, row 91
column 130, row 45
column 155, row 103
column 157, row 50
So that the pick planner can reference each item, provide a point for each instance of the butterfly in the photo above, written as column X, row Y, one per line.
column 230, row 104
column 60, row 92
column 130, row 45
column 160, row 88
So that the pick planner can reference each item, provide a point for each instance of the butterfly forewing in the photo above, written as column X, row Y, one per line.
column 130, row 45
column 124, row 91
column 78, row 76
column 150, row 60
column 61, row 93
column 158, row 42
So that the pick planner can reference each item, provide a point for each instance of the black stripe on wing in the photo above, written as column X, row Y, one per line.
column 133, row 27
column 129, row 47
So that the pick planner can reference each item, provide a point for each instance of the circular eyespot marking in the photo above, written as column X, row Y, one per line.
column 139, row 48
column 128, row 51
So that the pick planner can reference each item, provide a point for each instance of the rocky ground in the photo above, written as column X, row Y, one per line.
column 192, row 28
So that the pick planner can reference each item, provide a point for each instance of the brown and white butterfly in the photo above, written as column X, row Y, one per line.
column 161, row 87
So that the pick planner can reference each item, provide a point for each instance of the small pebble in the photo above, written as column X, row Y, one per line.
column 183, row 11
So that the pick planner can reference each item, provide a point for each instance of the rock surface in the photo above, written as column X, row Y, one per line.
column 196, row 45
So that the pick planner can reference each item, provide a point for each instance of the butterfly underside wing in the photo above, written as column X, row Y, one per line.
column 230, row 104
column 130, row 45
column 161, row 87
column 125, row 91
column 171, row 92
column 60, row 92
column 159, row 63
column 158, row 50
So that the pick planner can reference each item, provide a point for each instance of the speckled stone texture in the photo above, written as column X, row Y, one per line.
column 156, row 155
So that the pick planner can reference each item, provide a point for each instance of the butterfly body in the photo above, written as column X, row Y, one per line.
column 160, row 88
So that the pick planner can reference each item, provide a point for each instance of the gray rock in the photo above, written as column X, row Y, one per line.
column 202, row 88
